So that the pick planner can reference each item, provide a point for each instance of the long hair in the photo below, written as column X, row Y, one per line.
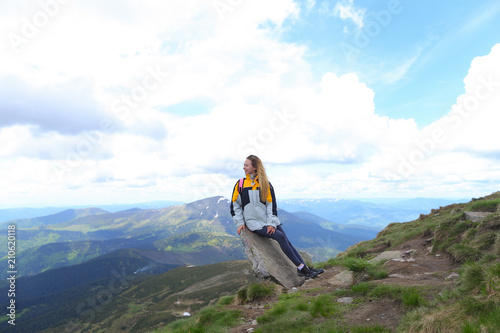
column 261, row 172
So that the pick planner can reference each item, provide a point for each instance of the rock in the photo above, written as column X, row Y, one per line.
column 306, row 257
column 345, row 300
column 476, row 216
column 269, row 261
column 399, row 276
column 387, row 255
column 344, row 278
column 452, row 276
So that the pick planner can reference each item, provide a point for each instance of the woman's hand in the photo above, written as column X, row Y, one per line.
column 241, row 227
column 270, row 229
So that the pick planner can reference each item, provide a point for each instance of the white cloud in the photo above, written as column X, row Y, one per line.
column 346, row 10
column 262, row 97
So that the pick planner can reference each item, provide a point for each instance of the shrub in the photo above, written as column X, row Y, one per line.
column 361, row 267
column 258, row 290
column 412, row 298
column 324, row 306
column 215, row 317
column 496, row 246
column 462, row 253
column 485, row 241
column 226, row 300
column 241, row 295
column 484, row 205
column 471, row 277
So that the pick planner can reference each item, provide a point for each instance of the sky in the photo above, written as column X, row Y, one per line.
column 108, row 102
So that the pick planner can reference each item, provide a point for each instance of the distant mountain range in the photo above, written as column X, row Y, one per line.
column 8, row 214
column 65, row 256
column 375, row 213
column 201, row 232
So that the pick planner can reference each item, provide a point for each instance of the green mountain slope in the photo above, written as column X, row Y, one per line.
column 63, row 278
column 64, row 216
column 445, row 278
column 85, row 237
column 132, row 302
column 39, row 259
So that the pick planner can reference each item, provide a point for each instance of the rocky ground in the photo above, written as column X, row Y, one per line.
column 410, row 264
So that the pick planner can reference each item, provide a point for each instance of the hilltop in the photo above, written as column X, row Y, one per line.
column 438, row 273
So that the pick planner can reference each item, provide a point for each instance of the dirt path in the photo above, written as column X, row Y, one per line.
column 415, row 267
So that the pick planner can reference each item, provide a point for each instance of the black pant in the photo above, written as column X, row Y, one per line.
column 284, row 243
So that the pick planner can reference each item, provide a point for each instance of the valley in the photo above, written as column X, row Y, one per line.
column 137, row 269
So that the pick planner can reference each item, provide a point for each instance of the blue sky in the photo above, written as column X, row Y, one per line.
column 122, row 102
column 439, row 40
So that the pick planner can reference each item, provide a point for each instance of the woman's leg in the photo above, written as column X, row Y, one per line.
column 280, row 228
column 285, row 245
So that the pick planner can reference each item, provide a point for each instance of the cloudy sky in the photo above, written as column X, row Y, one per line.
column 114, row 101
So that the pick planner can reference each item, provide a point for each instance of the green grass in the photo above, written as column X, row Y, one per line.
column 463, row 253
column 361, row 267
column 259, row 290
column 212, row 319
column 255, row 291
column 484, row 205
column 472, row 304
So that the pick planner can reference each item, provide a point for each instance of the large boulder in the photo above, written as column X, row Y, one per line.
column 269, row 261
column 476, row 216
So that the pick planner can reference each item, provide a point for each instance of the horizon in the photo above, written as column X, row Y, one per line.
column 174, row 202
column 163, row 100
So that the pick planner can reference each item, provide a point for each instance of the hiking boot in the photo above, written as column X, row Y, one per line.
column 306, row 272
column 317, row 270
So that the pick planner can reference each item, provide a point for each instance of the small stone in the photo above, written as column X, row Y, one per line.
column 452, row 276
column 254, row 322
column 345, row 300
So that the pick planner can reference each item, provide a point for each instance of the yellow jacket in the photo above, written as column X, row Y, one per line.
column 246, row 207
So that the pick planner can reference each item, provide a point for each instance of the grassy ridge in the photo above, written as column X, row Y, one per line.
column 471, row 305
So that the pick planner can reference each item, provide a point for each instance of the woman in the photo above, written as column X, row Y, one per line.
column 253, row 205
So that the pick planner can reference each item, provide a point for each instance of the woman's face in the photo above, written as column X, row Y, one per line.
column 249, row 169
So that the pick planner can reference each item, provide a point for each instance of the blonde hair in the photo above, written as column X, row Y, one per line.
column 261, row 172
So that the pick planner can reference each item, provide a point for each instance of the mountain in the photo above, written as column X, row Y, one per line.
column 437, row 273
column 64, row 216
column 124, row 301
column 60, row 279
column 137, row 289
column 375, row 213
column 150, row 230
column 358, row 231
column 53, row 255
column 8, row 214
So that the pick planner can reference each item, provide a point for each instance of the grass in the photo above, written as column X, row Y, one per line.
column 212, row 319
column 463, row 253
column 361, row 268
column 484, row 205
column 472, row 304
column 255, row 291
